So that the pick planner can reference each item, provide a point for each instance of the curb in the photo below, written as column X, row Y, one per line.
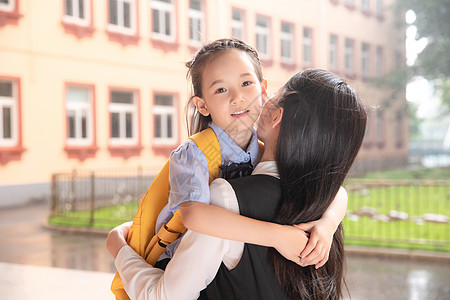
column 397, row 253
column 349, row 249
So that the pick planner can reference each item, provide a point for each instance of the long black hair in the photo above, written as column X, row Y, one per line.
column 321, row 131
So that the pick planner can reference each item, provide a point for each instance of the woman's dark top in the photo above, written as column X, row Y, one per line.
column 259, row 197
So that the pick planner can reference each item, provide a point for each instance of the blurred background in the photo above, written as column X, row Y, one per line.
column 92, row 100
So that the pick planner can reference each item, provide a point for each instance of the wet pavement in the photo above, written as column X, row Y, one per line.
column 39, row 263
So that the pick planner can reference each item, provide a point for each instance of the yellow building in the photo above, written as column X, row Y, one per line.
column 99, row 84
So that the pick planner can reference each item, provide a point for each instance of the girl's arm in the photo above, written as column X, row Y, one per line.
column 321, row 231
column 287, row 240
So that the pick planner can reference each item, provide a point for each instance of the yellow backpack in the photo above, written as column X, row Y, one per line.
column 141, row 236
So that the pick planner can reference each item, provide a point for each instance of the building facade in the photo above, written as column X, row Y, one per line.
column 90, row 84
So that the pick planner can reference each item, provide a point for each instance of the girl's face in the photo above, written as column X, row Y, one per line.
column 231, row 92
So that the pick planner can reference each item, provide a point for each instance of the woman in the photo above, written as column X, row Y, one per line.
column 312, row 130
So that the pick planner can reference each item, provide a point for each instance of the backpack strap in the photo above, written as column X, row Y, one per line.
column 207, row 141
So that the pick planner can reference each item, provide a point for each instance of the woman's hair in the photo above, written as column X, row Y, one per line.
column 195, row 67
column 321, row 131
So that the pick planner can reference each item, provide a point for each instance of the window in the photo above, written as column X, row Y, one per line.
column 349, row 44
column 196, row 22
column 165, row 119
column 333, row 52
column 123, row 117
column 122, row 16
column 399, row 129
column 77, row 12
column 237, row 24
column 8, row 113
column 307, row 46
column 380, row 128
column 399, row 63
column 79, row 115
column 365, row 60
column 379, row 62
column 365, row 5
column 262, row 37
column 349, row 3
column 287, row 42
column 379, row 7
column 368, row 133
column 7, row 5
column 163, row 15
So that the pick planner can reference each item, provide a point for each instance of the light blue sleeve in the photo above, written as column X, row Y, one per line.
column 188, row 175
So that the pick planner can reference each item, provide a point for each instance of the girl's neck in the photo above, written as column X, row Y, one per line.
column 242, row 138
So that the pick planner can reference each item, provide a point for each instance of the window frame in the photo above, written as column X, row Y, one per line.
column 200, row 16
column 76, row 20
column 333, row 52
column 365, row 60
column 164, row 111
column 13, row 103
column 89, row 106
column 290, row 36
column 240, row 24
column 265, row 31
column 349, row 58
column 379, row 62
column 123, row 109
column 120, row 28
column 307, row 43
column 163, row 7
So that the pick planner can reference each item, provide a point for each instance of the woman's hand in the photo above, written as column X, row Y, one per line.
column 117, row 238
column 290, row 242
column 317, row 250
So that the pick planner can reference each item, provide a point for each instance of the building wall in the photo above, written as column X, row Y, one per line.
column 44, row 55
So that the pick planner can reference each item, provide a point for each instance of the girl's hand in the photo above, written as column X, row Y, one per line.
column 117, row 238
column 290, row 242
column 317, row 250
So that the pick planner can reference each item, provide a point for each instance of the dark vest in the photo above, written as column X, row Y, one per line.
column 253, row 278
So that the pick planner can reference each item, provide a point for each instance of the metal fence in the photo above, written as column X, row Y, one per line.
column 380, row 212
column 100, row 198
column 407, row 214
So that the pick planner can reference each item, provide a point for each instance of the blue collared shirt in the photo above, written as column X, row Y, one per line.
column 189, row 175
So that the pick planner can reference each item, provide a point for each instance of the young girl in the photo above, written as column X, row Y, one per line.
column 228, row 88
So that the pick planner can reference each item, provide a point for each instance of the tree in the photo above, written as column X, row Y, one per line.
column 433, row 23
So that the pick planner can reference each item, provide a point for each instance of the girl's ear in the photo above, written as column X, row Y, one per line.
column 201, row 105
column 264, row 87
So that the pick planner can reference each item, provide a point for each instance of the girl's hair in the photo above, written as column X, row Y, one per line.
column 195, row 67
column 321, row 131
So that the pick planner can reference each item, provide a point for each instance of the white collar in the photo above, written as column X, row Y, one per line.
column 267, row 168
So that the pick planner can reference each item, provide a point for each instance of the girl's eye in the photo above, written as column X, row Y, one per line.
column 220, row 90
column 245, row 83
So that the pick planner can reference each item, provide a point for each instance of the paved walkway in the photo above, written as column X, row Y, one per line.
column 24, row 282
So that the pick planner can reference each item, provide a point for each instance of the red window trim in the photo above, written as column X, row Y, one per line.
column 81, row 152
column 123, row 38
column 266, row 61
column 10, row 18
column 165, row 149
column 79, row 31
column 161, row 44
column 245, row 33
column 126, row 151
column 14, row 153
